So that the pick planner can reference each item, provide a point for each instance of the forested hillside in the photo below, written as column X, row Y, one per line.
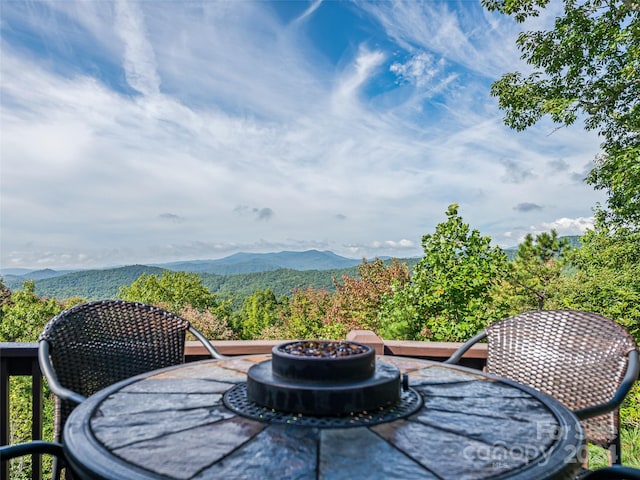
column 89, row 284
column 264, row 274
column 280, row 282
column 101, row 284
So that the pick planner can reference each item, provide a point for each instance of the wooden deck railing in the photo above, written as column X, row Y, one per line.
column 21, row 359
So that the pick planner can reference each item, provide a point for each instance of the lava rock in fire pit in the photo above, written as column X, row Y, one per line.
column 311, row 348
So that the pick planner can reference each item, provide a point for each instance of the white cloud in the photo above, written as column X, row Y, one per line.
column 376, row 248
column 570, row 226
column 309, row 11
column 404, row 243
column 139, row 59
column 420, row 69
column 466, row 35
column 562, row 226
column 347, row 90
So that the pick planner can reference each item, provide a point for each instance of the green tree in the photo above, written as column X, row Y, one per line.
column 5, row 293
column 25, row 314
column 357, row 300
column 304, row 316
column 259, row 312
column 210, row 324
column 449, row 295
column 607, row 276
column 535, row 272
column 586, row 67
column 173, row 290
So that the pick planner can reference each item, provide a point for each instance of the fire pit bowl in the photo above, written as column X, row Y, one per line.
column 321, row 377
column 321, row 360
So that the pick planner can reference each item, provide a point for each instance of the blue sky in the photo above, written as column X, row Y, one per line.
column 141, row 132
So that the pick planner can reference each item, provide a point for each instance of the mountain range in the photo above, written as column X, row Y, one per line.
column 237, row 263
column 236, row 275
column 262, row 262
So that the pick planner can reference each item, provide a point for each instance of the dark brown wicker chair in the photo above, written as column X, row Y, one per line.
column 93, row 345
column 615, row 472
column 585, row 360
column 36, row 447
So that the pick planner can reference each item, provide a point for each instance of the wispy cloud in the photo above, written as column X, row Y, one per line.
column 558, row 165
column 419, row 70
column 527, row 207
column 263, row 213
column 139, row 59
column 569, row 226
column 516, row 172
column 171, row 217
column 258, row 213
column 347, row 88
column 309, row 11
column 457, row 34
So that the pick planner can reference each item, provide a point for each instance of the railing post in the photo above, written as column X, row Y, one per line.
column 20, row 359
column 36, row 415
column 4, row 413
column 367, row 337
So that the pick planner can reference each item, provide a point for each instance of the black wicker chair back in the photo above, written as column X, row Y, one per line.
column 93, row 345
column 615, row 472
column 36, row 447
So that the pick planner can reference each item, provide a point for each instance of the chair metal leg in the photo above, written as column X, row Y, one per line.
column 615, row 451
column 55, row 470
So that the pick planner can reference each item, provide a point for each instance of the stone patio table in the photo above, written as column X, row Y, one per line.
column 453, row 423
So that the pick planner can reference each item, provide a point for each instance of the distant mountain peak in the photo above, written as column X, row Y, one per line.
column 246, row 262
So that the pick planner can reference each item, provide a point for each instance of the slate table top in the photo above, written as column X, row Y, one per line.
column 173, row 423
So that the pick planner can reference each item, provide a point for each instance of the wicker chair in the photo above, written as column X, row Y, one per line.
column 615, row 472
column 93, row 345
column 36, row 447
column 586, row 361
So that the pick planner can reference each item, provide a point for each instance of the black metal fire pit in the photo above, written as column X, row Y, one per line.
column 323, row 378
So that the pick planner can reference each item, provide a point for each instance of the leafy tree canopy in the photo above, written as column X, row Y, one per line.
column 173, row 290
column 357, row 299
column 24, row 315
column 532, row 277
column 587, row 66
column 259, row 311
column 607, row 280
column 449, row 295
